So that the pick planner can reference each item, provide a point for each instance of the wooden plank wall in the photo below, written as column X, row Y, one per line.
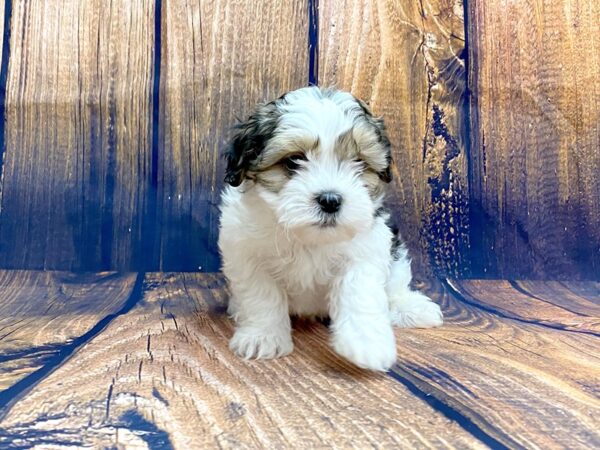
column 535, row 126
column 115, row 117
column 76, row 167
column 217, row 63
column 102, row 173
column 405, row 59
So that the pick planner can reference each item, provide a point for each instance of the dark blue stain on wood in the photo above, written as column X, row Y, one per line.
column 33, row 355
column 313, row 42
column 157, row 395
column 86, row 238
column 475, row 425
column 440, row 377
column 3, row 81
column 154, row 437
column 447, row 224
column 473, row 255
column 482, row 226
column 188, row 245
column 64, row 352
column 466, row 298
column 30, row 437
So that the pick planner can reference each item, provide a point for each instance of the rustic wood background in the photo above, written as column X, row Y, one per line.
column 113, row 118
column 535, row 128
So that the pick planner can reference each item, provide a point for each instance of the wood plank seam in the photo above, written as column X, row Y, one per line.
column 65, row 351
column 3, row 83
column 313, row 42
column 152, row 223
column 463, row 297
column 470, row 256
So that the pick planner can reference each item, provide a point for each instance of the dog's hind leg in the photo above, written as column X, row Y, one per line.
column 409, row 308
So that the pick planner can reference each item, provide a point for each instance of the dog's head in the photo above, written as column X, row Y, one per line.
column 318, row 158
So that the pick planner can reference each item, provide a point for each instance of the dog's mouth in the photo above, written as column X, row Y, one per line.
column 328, row 221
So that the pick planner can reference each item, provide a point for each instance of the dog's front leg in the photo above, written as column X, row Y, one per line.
column 260, row 309
column 361, row 326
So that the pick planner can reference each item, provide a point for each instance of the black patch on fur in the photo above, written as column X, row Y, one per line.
column 379, row 127
column 396, row 244
column 382, row 211
column 250, row 139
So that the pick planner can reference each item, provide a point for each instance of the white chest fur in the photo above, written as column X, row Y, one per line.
column 250, row 232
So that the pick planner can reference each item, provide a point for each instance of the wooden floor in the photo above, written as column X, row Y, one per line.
column 141, row 361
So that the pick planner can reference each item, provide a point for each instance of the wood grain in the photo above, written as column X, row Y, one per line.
column 162, row 376
column 547, row 303
column 41, row 312
column 77, row 163
column 586, row 289
column 226, row 56
column 535, row 111
column 580, row 297
column 529, row 385
column 163, row 373
column 405, row 59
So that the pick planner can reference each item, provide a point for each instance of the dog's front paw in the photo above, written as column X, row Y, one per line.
column 370, row 346
column 251, row 343
column 416, row 310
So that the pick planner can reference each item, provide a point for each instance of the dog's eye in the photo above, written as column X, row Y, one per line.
column 292, row 162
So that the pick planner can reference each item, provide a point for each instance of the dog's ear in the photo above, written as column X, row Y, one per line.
column 379, row 128
column 249, row 141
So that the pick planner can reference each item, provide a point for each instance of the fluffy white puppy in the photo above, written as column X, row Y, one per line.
column 304, row 232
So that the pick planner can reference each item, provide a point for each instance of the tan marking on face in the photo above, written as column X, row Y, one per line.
column 281, row 147
column 371, row 151
column 273, row 178
column 270, row 171
column 360, row 143
column 373, row 183
column 346, row 148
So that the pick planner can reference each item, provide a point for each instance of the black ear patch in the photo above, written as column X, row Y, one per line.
column 386, row 174
column 379, row 127
column 249, row 140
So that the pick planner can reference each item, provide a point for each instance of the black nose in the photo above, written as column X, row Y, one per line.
column 330, row 202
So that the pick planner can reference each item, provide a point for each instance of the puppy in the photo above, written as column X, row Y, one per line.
column 303, row 230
